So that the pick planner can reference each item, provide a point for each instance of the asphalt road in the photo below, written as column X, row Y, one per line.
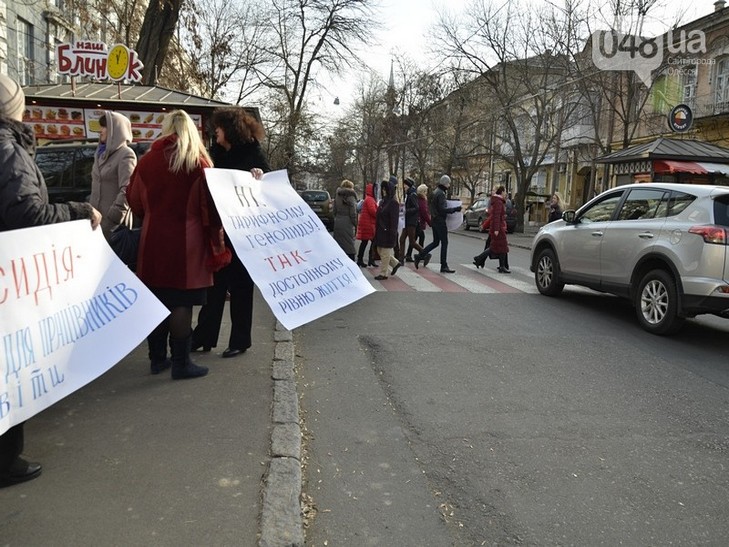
column 491, row 419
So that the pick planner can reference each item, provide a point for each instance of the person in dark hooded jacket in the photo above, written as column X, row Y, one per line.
column 412, row 219
column 388, row 214
column 24, row 203
column 345, row 217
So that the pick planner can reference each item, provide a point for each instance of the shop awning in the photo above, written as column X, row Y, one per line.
column 671, row 166
column 715, row 167
column 691, row 167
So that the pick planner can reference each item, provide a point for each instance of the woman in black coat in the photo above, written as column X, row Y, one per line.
column 388, row 215
column 237, row 146
column 24, row 203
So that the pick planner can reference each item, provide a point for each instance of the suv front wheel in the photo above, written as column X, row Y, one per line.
column 656, row 303
column 546, row 273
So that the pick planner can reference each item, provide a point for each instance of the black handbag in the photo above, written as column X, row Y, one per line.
column 124, row 241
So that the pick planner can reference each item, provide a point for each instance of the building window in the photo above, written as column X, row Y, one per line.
column 664, row 94
column 722, row 84
column 689, row 86
column 24, row 33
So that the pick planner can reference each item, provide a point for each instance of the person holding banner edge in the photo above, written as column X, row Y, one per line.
column 237, row 146
column 182, row 237
column 24, row 203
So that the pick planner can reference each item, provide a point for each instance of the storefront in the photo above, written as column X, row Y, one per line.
column 669, row 160
column 59, row 112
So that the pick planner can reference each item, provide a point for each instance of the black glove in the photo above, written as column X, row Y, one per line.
column 456, row 209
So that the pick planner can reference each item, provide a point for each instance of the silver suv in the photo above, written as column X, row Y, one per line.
column 663, row 246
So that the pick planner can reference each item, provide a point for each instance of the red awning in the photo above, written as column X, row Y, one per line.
column 671, row 166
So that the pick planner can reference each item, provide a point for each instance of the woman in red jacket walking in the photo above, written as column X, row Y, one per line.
column 497, row 230
column 366, row 226
column 181, row 236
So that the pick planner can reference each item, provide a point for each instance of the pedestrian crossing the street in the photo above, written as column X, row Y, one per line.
column 467, row 279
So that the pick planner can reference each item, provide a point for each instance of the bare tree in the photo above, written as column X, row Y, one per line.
column 223, row 44
column 302, row 38
column 521, row 69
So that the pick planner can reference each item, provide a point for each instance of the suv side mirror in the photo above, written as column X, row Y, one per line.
column 569, row 217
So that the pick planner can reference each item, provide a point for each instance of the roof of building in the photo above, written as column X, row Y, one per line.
column 672, row 149
column 109, row 92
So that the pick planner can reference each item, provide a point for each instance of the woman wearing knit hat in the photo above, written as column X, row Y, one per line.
column 24, row 203
column 440, row 230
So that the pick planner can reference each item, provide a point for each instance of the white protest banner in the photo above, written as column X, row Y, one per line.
column 454, row 220
column 301, row 271
column 69, row 311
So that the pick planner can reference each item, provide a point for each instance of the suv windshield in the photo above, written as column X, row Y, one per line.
column 310, row 195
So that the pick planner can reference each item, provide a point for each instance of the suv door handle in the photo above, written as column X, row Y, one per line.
column 597, row 234
column 646, row 235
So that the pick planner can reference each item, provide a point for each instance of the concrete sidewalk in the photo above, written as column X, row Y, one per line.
column 136, row 459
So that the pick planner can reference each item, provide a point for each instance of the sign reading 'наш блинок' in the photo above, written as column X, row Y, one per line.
column 96, row 60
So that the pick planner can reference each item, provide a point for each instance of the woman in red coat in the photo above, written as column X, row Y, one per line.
column 366, row 225
column 180, row 228
column 497, row 230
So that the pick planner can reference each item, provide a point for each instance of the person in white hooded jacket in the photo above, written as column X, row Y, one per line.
column 114, row 163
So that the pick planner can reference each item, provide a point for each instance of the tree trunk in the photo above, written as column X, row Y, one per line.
column 158, row 28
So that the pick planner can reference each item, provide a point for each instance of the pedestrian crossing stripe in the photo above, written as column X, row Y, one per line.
column 467, row 279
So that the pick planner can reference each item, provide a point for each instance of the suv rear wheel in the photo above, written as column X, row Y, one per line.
column 546, row 274
column 656, row 303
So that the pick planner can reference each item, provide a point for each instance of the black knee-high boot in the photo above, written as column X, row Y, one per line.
column 157, row 349
column 182, row 365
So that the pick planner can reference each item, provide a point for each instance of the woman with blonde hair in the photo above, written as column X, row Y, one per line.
column 556, row 207
column 182, row 237
column 345, row 217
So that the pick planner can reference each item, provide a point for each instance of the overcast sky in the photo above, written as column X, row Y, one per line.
column 406, row 24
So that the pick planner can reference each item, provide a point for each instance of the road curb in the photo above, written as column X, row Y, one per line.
column 281, row 519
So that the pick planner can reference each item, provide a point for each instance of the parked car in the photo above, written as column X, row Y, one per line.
column 321, row 203
column 66, row 168
column 663, row 246
column 474, row 215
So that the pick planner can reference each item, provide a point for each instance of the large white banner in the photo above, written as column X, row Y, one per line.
column 69, row 311
column 454, row 220
column 300, row 270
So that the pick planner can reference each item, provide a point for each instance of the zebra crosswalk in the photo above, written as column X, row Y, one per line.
column 466, row 279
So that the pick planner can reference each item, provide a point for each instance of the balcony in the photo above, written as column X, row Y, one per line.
column 580, row 133
column 707, row 109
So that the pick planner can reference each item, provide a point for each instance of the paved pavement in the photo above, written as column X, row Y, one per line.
column 521, row 240
column 135, row 459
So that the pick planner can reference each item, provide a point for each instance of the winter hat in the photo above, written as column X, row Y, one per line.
column 393, row 180
column 12, row 98
column 409, row 182
column 445, row 181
